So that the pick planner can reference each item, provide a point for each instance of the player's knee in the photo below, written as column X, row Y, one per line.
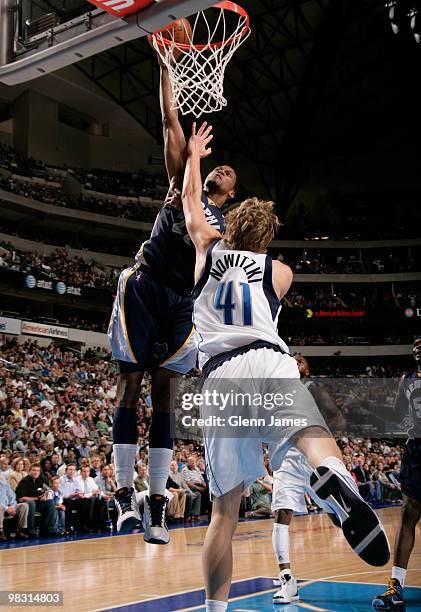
column 411, row 512
column 283, row 517
column 128, row 389
column 164, row 385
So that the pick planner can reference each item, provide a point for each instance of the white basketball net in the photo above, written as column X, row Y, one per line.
column 197, row 72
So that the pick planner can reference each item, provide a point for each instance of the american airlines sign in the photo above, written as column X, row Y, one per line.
column 120, row 8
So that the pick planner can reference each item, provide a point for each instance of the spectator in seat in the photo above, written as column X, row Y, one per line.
column 260, row 498
column 9, row 507
column 365, row 486
column 105, row 481
column 6, row 444
column 5, row 469
column 83, row 449
column 99, row 515
column 55, row 463
column 96, row 468
column 31, row 490
column 194, row 480
column 350, row 469
column 46, row 473
column 107, row 486
column 177, row 506
column 78, row 429
column 384, row 486
column 73, row 499
column 70, row 459
column 141, row 480
column 21, row 445
column 57, row 497
column 206, row 501
column 18, row 472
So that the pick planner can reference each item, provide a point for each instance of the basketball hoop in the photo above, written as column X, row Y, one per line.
column 197, row 68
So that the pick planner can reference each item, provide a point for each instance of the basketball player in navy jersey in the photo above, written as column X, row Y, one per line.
column 408, row 397
column 236, row 306
column 151, row 328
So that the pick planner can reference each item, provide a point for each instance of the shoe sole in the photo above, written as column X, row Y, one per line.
column 379, row 606
column 360, row 524
column 155, row 541
column 129, row 525
column 282, row 602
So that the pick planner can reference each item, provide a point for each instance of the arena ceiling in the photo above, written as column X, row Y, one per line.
column 316, row 82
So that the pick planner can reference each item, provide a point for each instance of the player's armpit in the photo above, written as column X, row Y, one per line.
column 173, row 197
column 281, row 278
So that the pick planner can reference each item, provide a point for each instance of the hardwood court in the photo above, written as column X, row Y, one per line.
column 97, row 574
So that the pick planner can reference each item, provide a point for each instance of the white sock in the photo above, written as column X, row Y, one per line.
column 124, row 460
column 338, row 466
column 212, row 605
column 399, row 573
column 159, row 469
column 280, row 542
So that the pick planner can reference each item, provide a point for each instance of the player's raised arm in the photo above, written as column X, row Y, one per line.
column 201, row 233
column 401, row 405
column 174, row 140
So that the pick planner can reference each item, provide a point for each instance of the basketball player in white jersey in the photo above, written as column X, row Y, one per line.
column 291, row 482
column 237, row 301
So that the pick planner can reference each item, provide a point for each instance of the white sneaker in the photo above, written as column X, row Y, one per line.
column 128, row 510
column 156, row 530
column 288, row 591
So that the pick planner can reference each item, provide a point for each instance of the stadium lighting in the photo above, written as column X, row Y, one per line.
column 415, row 17
column 403, row 16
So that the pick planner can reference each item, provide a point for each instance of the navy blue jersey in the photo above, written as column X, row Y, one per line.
column 169, row 253
column 413, row 394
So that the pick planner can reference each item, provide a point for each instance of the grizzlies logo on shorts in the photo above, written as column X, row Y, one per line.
column 151, row 325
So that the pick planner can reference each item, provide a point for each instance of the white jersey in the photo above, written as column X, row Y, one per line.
column 235, row 303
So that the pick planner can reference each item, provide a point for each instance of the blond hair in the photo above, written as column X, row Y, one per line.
column 251, row 226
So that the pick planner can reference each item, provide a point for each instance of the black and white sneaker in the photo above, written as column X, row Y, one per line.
column 156, row 530
column 128, row 510
column 360, row 524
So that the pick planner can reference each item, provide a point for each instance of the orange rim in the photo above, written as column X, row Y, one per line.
column 225, row 5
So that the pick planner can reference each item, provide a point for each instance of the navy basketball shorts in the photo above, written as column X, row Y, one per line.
column 410, row 475
column 151, row 325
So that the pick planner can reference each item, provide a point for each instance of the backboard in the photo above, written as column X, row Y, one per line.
column 39, row 37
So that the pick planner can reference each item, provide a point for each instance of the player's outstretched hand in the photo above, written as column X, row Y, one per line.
column 199, row 140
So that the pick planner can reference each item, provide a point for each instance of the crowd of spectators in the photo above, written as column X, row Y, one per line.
column 56, row 470
column 79, row 272
column 59, row 266
column 129, row 184
column 96, row 204
column 308, row 339
column 386, row 298
column 357, row 219
column 56, row 411
column 365, row 262
column 11, row 160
